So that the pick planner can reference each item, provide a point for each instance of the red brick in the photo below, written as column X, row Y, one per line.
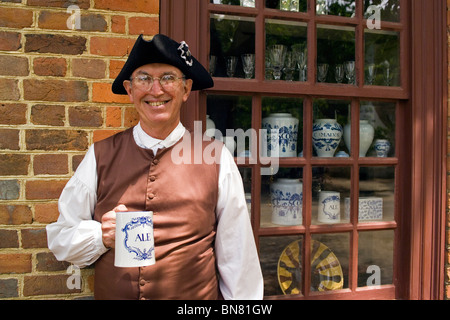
column 15, row 214
column 82, row 4
column 49, row 43
column 56, row 67
column 9, row 89
column 16, row 18
column 142, row 6
column 44, row 189
column 46, row 285
column 34, row 238
column 13, row 65
column 9, row 288
column 14, row 164
column 85, row 117
column 143, row 25
column 55, row 90
column 50, row 164
column 9, row 239
column 89, row 68
column 56, row 140
column 9, row 139
column 114, row 68
column 103, row 134
column 52, row 115
column 131, row 117
column 101, row 92
column 46, row 212
column 118, row 47
column 46, row 261
column 118, row 24
column 15, row 263
column 113, row 116
column 13, row 113
column 10, row 41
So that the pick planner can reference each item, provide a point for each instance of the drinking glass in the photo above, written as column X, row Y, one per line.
column 231, row 65
column 350, row 71
column 387, row 73
column 370, row 73
column 339, row 73
column 248, row 62
column 290, row 65
column 277, row 54
column 322, row 70
column 302, row 57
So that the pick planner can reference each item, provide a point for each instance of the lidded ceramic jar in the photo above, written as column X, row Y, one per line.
column 287, row 200
column 282, row 133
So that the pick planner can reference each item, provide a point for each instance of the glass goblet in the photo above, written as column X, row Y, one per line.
column 231, row 65
column 322, row 70
column 370, row 73
column 350, row 71
column 248, row 62
column 339, row 73
column 277, row 55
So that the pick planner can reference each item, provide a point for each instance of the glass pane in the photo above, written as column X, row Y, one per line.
column 229, row 119
column 329, row 261
column 344, row 8
column 376, row 194
column 231, row 38
column 281, row 264
column 282, row 198
column 375, row 258
column 244, row 3
column 381, row 116
column 282, row 118
column 285, row 50
column 330, row 188
column 246, row 174
column 329, row 119
column 287, row 5
column 382, row 58
column 336, row 54
column 389, row 10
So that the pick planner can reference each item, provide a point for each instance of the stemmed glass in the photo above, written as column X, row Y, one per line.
column 231, row 65
column 248, row 62
column 277, row 54
column 387, row 73
column 290, row 65
column 322, row 70
column 370, row 73
column 302, row 57
column 350, row 71
column 339, row 73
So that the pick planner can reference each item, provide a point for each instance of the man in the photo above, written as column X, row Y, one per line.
column 204, row 246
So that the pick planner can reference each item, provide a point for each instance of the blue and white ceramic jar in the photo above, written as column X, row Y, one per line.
column 282, row 133
column 287, row 200
column 327, row 134
column 382, row 147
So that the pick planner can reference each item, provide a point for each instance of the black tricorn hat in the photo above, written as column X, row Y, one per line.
column 162, row 49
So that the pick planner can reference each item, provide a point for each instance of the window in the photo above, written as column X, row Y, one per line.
column 329, row 193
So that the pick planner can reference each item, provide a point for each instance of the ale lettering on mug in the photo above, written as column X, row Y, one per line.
column 135, row 246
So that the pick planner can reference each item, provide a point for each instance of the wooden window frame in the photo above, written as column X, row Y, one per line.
column 419, row 255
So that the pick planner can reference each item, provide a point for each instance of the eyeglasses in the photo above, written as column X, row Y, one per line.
column 145, row 81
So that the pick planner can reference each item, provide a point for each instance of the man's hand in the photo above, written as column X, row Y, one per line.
column 109, row 226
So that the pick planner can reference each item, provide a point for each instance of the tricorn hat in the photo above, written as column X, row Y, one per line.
column 162, row 49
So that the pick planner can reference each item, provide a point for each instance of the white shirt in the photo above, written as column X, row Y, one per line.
column 77, row 238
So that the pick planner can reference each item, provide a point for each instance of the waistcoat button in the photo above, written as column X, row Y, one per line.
column 152, row 178
column 142, row 282
column 151, row 196
column 155, row 162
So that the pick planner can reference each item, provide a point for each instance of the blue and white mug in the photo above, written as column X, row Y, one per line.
column 329, row 207
column 135, row 245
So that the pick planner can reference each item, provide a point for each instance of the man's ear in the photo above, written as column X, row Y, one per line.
column 127, row 86
column 187, row 88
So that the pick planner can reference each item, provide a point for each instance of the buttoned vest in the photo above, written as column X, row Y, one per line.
column 182, row 197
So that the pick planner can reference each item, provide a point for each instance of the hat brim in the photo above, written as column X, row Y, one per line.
column 162, row 49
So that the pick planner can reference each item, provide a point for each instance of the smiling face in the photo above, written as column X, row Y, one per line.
column 158, row 107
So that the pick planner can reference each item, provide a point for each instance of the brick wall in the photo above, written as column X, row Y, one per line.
column 55, row 100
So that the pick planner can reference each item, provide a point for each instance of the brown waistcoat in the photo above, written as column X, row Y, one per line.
column 183, row 199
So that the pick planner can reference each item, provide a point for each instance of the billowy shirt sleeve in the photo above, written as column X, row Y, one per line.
column 76, row 237
column 236, row 253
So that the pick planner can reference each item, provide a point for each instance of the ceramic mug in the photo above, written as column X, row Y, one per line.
column 329, row 207
column 135, row 245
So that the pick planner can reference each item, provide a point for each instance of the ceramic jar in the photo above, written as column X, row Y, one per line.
column 287, row 199
column 329, row 207
column 327, row 134
column 282, row 132
column 366, row 134
column 382, row 147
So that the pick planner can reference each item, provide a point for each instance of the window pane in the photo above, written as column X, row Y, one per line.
column 344, row 8
column 229, row 118
column 336, row 54
column 389, row 9
column 381, row 116
column 281, row 264
column 376, row 194
column 287, row 5
column 331, row 186
column 329, row 119
column 284, row 117
column 244, row 3
column 282, row 198
column 231, row 37
column 329, row 261
column 375, row 261
column 382, row 58
column 285, row 44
